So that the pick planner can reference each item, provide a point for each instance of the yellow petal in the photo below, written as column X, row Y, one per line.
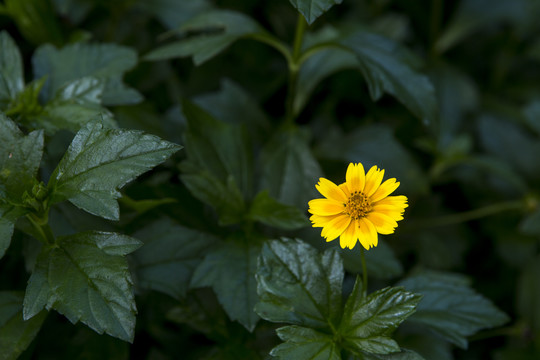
column 383, row 223
column 367, row 233
column 373, row 180
column 349, row 236
column 399, row 201
column 345, row 189
column 385, row 189
column 331, row 191
column 355, row 177
column 393, row 211
column 321, row 221
column 325, row 207
column 336, row 227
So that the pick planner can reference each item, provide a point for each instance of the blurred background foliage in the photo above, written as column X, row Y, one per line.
column 468, row 161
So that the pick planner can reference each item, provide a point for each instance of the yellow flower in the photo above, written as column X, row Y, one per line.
column 359, row 208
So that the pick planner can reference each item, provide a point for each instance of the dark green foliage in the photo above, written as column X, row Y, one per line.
column 113, row 248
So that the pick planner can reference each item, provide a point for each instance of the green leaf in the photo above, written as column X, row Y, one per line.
column 219, row 166
column 312, row 9
column 77, row 103
column 234, row 105
column 86, row 278
column 298, row 285
column 169, row 256
column 404, row 354
column 368, row 322
column 107, row 62
column 289, row 169
column 377, row 145
column 473, row 15
column 450, row 308
column 384, row 67
column 229, row 268
column 172, row 13
column 15, row 333
column 6, row 232
column 270, row 212
column 74, row 10
column 306, row 344
column 100, row 161
column 511, row 143
column 25, row 107
column 20, row 157
column 226, row 199
column 36, row 20
column 381, row 262
column 11, row 69
column 207, row 35
column 319, row 66
column 225, row 151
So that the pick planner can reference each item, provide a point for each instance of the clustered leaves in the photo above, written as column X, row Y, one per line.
column 210, row 255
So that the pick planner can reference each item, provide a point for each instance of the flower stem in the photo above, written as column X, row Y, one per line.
column 470, row 215
column 294, row 67
column 364, row 272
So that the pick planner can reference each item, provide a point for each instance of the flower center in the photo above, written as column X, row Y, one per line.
column 358, row 205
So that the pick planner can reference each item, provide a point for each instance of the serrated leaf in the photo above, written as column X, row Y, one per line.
column 213, row 31
column 86, row 278
column 6, row 232
column 312, row 9
column 404, row 354
column 450, row 307
column 11, row 69
column 107, row 62
column 169, row 256
column 229, row 268
column 298, row 285
column 99, row 162
column 270, row 212
column 20, row 157
column 289, row 169
column 368, row 322
column 77, row 103
column 15, row 333
column 306, row 344
column 385, row 70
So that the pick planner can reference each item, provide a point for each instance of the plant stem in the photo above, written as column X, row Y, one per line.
column 364, row 272
column 469, row 215
column 43, row 230
column 294, row 67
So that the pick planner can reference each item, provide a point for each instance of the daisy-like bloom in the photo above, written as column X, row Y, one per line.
column 359, row 208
